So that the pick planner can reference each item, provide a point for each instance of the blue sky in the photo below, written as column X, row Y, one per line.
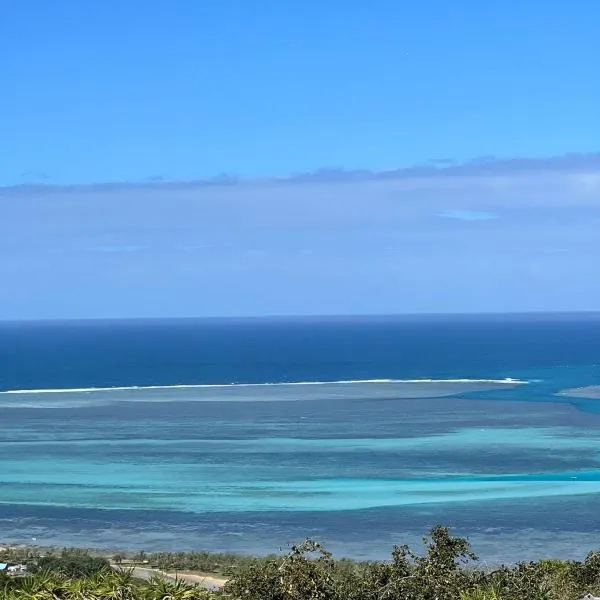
column 104, row 91
column 156, row 91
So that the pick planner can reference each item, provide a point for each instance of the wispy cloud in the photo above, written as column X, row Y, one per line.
column 467, row 215
column 433, row 169
column 116, row 248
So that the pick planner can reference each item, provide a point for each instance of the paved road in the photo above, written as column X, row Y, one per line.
column 210, row 583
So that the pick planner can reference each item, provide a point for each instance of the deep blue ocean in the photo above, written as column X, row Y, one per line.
column 249, row 435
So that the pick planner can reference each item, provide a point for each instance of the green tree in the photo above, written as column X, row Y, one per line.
column 72, row 563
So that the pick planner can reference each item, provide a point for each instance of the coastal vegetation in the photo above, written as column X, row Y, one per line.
column 107, row 584
column 446, row 569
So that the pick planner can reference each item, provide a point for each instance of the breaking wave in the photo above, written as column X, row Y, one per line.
column 467, row 381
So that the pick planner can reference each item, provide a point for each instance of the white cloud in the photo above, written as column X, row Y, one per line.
column 376, row 243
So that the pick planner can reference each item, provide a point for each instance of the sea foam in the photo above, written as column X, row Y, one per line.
column 504, row 381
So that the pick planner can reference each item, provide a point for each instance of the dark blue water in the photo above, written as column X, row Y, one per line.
column 103, row 353
column 424, row 429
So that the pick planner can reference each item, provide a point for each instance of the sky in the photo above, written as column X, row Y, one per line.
column 107, row 107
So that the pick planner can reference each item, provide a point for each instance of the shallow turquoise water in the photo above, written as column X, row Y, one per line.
column 359, row 465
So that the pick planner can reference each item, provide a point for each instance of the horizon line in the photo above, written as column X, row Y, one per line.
column 298, row 317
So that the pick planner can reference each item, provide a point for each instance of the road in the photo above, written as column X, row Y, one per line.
column 207, row 581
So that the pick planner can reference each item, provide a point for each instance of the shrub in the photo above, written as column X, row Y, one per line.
column 71, row 563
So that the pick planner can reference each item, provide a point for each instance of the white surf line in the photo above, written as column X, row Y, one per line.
column 505, row 381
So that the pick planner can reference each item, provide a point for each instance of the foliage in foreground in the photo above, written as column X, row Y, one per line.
column 103, row 585
column 71, row 562
column 446, row 570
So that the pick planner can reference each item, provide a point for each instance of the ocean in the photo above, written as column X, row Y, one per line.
column 249, row 435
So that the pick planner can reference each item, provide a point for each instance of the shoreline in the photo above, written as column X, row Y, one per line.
column 130, row 560
column 226, row 561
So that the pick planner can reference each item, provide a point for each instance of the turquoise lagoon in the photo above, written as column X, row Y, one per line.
column 250, row 435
